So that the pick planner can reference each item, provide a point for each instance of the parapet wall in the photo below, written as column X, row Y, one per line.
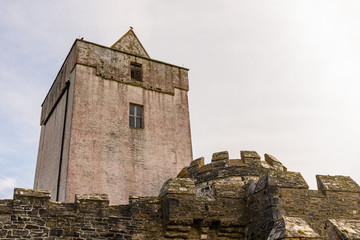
column 226, row 199
column 286, row 194
column 31, row 214
column 222, row 166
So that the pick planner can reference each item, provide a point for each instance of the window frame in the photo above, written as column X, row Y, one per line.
column 135, row 116
column 136, row 67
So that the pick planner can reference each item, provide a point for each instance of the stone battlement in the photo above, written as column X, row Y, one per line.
column 227, row 199
column 221, row 166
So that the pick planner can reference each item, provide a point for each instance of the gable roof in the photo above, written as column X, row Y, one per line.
column 131, row 44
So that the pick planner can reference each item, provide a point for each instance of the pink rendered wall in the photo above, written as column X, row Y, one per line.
column 107, row 156
column 51, row 137
column 102, row 154
column 49, row 151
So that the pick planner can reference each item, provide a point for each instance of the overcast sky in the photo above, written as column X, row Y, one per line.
column 277, row 77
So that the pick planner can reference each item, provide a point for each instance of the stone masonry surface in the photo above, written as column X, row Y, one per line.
column 227, row 199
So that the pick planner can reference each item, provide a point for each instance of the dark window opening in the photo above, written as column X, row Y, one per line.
column 136, row 116
column 136, row 71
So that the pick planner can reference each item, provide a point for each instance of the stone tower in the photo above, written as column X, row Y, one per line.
column 114, row 121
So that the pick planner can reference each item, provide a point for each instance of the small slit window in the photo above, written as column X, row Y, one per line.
column 136, row 71
column 136, row 116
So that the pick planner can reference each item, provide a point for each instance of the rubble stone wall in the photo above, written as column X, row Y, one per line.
column 270, row 204
column 227, row 199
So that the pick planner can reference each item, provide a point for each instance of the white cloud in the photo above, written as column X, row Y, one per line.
column 7, row 184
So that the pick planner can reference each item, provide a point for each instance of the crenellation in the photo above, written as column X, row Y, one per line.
column 280, row 206
column 92, row 205
column 250, row 158
column 194, row 167
column 220, row 159
column 178, row 186
column 222, row 167
column 336, row 183
column 220, row 200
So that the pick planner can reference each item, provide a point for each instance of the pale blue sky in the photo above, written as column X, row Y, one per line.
column 277, row 77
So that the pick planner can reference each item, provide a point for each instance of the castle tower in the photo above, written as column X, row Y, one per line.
column 114, row 121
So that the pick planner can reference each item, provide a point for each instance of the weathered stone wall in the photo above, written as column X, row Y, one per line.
column 274, row 200
column 227, row 199
column 262, row 203
column 278, row 195
column 32, row 215
column 343, row 229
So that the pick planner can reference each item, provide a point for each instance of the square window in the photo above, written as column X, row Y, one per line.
column 136, row 71
column 136, row 116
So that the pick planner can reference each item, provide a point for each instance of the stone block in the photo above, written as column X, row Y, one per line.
column 21, row 192
column 205, row 168
column 274, row 162
column 220, row 159
column 281, row 180
column 343, row 229
column 293, row 228
column 250, row 158
column 249, row 154
column 31, row 197
column 199, row 162
column 237, row 162
column 336, row 183
column 93, row 205
column 228, row 189
column 178, row 186
column 194, row 167
column 184, row 173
